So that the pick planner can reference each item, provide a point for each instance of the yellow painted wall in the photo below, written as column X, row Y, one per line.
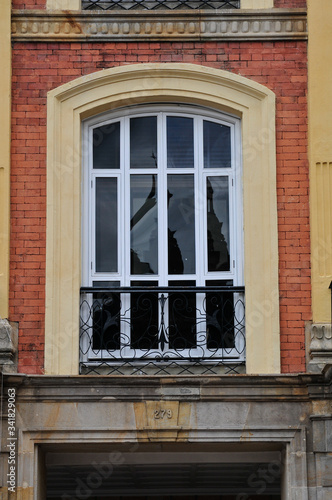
column 5, row 94
column 63, row 4
column 320, row 154
column 257, row 4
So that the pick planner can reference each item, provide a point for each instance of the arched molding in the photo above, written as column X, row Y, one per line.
column 131, row 85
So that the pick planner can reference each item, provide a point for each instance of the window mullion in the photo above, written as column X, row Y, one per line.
column 232, row 212
column 92, row 226
column 199, row 202
column 89, row 243
column 125, row 202
column 232, row 218
column 162, row 197
column 237, row 202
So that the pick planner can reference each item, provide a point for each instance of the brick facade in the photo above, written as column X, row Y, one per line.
column 38, row 68
column 28, row 4
column 291, row 4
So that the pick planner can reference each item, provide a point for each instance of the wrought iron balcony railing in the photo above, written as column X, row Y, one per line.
column 159, row 4
column 162, row 330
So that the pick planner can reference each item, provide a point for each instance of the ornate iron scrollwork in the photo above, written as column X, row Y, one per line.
column 156, row 328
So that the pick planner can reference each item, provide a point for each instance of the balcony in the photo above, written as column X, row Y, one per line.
column 171, row 330
column 159, row 4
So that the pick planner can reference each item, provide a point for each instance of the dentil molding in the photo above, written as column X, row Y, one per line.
column 248, row 25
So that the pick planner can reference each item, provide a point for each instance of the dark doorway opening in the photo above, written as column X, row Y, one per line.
column 164, row 473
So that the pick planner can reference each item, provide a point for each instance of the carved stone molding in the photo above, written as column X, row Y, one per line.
column 156, row 25
column 8, row 347
column 320, row 349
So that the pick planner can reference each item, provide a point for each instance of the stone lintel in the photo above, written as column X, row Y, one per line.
column 241, row 388
column 96, row 26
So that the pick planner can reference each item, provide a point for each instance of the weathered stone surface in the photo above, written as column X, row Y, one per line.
column 155, row 25
column 320, row 349
column 327, row 471
column 8, row 346
column 90, row 414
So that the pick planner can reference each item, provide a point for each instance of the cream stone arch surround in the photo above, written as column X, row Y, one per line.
column 128, row 85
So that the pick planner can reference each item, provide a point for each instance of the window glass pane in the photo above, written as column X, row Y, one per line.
column 218, row 223
column 143, row 142
column 181, row 224
column 106, row 225
column 144, row 317
column 143, row 224
column 217, row 145
column 180, row 142
column 182, row 317
column 106, row 146
column 220, row 317
column 106, row 317
column 106, row 284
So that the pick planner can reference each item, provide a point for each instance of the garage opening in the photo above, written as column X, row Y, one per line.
column 147, row 472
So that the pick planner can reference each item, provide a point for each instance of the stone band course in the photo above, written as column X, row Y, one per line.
column 156, row 25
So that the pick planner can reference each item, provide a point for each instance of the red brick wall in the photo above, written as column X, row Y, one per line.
column 38, row 68
column 28, row 4
column 290, row 4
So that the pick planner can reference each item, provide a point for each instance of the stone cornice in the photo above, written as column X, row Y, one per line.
column 303, row 387
column 242, row 25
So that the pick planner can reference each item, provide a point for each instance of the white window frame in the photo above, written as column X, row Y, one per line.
column 234, row 174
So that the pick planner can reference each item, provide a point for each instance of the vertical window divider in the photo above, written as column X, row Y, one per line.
column 92, row 223
column 162, row 199
column 238, row 193
column 199, row 227
column 233, row 209
column 199, row 200
column 88, row 243
column 163, row 221
column 125, row 205
column 124, row 208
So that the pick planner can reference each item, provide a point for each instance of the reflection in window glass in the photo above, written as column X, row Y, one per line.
column 217, row 145
column 106, row 317
column 144, row 317
column 180, row 142
column 106, row 225
column 143, row 224
column 143, row 142
column 182, row 317
column 220, row 316
column 106, row 146
column 166, row 222
column 218, row 223
column 181, row 224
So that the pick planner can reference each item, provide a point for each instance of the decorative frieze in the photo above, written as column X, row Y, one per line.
column 156, row 25
column 320, row 349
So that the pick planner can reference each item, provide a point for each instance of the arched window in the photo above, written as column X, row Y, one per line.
column 162, row 237
column 71, row 106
